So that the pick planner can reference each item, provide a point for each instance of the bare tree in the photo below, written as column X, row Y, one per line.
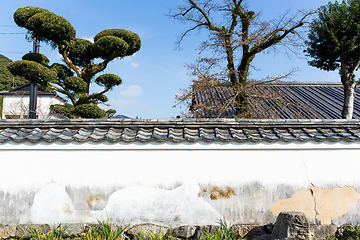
column 236, row 36
column 19, row 108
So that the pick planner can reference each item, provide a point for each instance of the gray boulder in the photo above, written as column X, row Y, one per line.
column 292, row 226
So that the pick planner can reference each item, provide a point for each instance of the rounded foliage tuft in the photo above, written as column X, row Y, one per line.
column 62, row 71
column 75, row 84
column 109, row 47
column 32, row 71
column 132, row 39
column 45, row 25
column 110, row 113
column 22, row 15
column 108, row 80
column 66, row 110
column 89, row 111
column 80, row 51
column 36, row 57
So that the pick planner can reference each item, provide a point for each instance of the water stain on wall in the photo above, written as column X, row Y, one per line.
column 319, row 203
column 96, row 200
column 218, row 193
column 67, row 208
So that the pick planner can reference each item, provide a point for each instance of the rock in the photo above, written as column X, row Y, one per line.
column 184, row 231
column 25, row 230
column 243, row 229
column 7, row 231
column 259, row 231
column 292, row 226
column 263, row 237
column 73, row 229
column 146, row 229
column 323, row 231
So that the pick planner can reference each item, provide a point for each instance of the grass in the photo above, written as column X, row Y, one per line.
column 350, row 233
column 107, row 231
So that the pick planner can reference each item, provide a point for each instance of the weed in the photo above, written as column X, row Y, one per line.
column 53, row 234
column 224, row 232
column 154, row 236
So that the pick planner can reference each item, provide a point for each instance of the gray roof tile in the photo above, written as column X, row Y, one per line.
column 192, row 130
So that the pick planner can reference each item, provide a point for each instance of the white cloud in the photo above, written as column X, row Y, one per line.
column 135, row 64
column 91, row 39
column 130, row 91
column 127, row 58
column 122, row 103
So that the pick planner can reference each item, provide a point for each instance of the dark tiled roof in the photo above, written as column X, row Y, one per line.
column 25, row 90
column 178, row 130
column 324, row 100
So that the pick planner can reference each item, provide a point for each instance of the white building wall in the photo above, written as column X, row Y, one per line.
column 19, row 105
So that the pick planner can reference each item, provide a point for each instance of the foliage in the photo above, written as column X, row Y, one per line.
column 103, row 231
column 36, row 57
column 346, row 232
column 334, row 44
column 55, row 233
column 224, row 232
column 81, row 57
column 44, row 25
column 236, row 36
column 110, row 113
column 7, row 79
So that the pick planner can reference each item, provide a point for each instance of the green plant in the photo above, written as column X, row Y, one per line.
column 154, row 236
column 104, row 231
column 224, row 232
column 350, row 233
column 83, row 60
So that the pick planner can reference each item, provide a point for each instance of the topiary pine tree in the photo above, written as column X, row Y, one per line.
column 73, row 78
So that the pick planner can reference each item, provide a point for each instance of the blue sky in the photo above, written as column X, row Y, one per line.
column 152, row 76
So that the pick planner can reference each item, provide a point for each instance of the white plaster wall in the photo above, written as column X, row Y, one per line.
column 166, row 183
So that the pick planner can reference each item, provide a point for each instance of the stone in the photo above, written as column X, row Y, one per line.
column 139, row 230
column 25, row 230
column 292, row 226
column 257, row 232
column 184, row 231
column 323, row 231
column 74, row 229
column 243, row 229
column 263, row 237
column 7, row 231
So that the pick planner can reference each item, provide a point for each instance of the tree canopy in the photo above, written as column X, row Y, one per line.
column 236, row 36
column 334, row 44
column 73, row 78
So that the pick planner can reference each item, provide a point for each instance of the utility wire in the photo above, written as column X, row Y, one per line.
column 9, row 26
column 12, row 33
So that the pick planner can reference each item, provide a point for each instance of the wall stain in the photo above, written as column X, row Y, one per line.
column 218, row 193
column 66, row 208
column 95, row 200
column 319, row 203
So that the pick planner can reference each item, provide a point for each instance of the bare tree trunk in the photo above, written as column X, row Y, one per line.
column 349, row 96
column 347, row 80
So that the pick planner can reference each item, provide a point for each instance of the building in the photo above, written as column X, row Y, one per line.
column 314, row 100
column 16, row 103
